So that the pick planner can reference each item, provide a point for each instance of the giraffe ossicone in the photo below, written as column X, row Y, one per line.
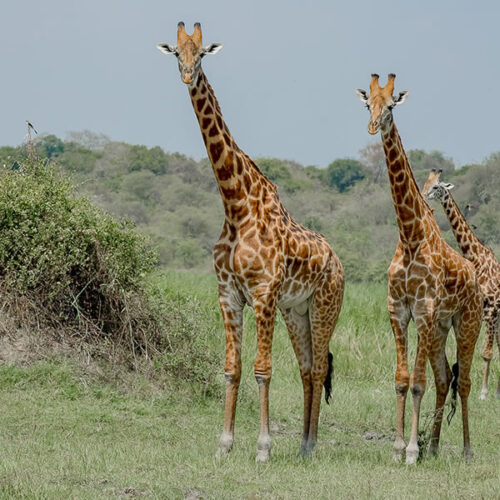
column 264, row 259
column 429, row 282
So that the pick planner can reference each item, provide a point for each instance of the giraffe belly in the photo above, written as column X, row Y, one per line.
column 295, row 295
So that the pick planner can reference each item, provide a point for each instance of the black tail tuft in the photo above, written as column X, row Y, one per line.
column 328, row 379
column 454, row 390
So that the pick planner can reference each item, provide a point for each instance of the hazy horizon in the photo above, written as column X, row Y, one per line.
column 285, row 77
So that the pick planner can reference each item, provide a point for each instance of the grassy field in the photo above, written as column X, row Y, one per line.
column 70, row 431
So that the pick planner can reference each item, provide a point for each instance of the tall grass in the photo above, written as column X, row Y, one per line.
column 65, row 434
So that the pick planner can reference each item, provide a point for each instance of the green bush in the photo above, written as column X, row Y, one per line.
column 63, row 252
column 68, row 268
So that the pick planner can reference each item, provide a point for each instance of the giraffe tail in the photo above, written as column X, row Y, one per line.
column 454, row 390
column 328, row 379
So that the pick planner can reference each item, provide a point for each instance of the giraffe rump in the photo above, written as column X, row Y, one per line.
column 328, row 380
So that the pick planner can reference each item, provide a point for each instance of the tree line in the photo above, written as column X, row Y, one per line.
column 174, row 199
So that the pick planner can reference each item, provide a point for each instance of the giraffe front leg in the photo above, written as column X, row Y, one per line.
column 400, row 317
column 265, row 313
column 417, row 386
column 232, row 314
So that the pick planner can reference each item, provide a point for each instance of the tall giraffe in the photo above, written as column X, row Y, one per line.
column 429, row 282
column 485, row 263
column 264, row 259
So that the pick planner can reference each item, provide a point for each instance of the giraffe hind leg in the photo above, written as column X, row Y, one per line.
column 442, row 377
column 487, row 353
column 497, row 330
column 467, row 327
column 323, row 313
column 299, row 330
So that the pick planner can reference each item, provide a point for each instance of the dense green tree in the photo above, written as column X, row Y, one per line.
column 279, row 172
column 49, row 146
column 142, row 158
column 344, row 173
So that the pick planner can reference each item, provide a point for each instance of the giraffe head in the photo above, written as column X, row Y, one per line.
column 380, row 102
column 434, row 188
column 189, row 52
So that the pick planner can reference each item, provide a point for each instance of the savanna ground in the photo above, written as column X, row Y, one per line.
column 74, row 430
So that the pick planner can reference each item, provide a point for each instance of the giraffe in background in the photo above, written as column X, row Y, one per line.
column 264, row 259
column 429, row 282
column 485, row 263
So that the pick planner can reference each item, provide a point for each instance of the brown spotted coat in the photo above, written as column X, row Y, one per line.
column 484, row 261
column 429, row 282
column 264, row 259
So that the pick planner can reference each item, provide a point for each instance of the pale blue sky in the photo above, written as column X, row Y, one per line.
column 285, row 77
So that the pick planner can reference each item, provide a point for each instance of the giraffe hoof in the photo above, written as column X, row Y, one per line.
column 262, row 456
column 468, row 455
column 304, row 452
column 399, row 450
column 263, row 449
column 411, row 455
column 225, row 446
column 221, row 453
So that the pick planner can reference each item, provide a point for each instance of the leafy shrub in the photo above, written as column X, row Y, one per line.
column 68, row 262
column 68, row 268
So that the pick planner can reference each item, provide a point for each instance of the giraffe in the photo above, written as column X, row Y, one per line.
column 428, row 282
column 485, row 263
column 264, row 259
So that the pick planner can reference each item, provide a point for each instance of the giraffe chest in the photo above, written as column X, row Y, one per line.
column 256, row 262
column 249, row 259
column 431, row 282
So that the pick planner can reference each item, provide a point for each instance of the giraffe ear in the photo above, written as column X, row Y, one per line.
column 448, row 185
column 213, row 48
column 401, row 98
column 167, row 49
column 363, row 96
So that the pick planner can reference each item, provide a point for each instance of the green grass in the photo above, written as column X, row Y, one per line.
column 65, row 433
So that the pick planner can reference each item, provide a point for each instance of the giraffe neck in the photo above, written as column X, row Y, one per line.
column 411, row 208
column 469, row 244
column 238, row 177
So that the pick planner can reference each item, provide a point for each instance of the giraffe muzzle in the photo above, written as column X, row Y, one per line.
column 373, row 127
